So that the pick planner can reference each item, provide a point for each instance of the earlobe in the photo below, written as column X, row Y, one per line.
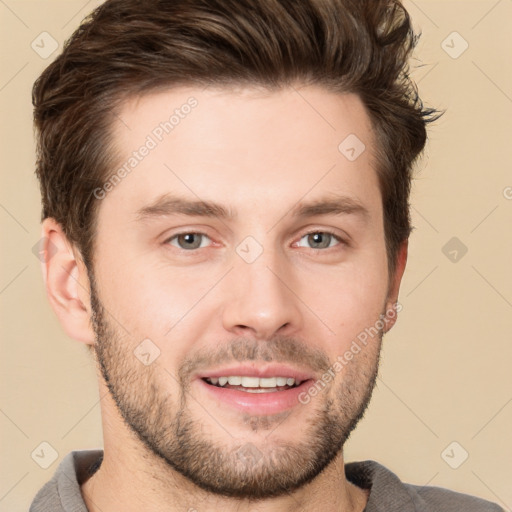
column 392, row 305
column 66, row 283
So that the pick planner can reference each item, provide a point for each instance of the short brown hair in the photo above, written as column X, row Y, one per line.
column 129, row 47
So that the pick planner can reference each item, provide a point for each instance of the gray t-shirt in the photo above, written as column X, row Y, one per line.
column 387, row 492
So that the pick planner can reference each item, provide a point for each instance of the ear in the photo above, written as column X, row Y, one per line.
column 392, row 306
column 66, row 282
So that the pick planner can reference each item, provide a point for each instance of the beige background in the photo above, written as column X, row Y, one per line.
column 446, row 372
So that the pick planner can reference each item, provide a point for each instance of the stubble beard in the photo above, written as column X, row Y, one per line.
column 243, row 470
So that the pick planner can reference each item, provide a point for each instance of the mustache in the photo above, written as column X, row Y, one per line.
column 279, row 349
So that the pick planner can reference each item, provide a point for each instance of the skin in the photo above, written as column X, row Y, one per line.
column 260, row 155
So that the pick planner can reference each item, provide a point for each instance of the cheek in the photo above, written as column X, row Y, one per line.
column 127, row 290
column 349, row 300
column 154, row 301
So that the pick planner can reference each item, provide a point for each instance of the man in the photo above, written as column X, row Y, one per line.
column 225, row 213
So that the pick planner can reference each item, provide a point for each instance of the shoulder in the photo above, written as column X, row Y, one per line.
column 388, row 493
column 62, row 492
column 47, row 498
column 445, row 500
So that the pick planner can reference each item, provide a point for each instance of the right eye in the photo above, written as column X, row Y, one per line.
column 188, row 241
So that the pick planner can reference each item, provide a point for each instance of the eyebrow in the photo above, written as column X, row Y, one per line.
column 337, row 205
column 168, row 205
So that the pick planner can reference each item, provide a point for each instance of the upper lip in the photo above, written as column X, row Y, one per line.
column 271, row 370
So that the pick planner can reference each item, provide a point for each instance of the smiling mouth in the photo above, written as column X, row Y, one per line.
column 250, row 384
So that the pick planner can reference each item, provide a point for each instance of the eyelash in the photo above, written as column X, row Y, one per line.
column 341, row 241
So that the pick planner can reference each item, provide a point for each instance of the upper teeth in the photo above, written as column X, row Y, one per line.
column 252, row 382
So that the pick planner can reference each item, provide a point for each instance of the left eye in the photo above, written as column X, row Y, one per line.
column 188, row 241
column 320, row 240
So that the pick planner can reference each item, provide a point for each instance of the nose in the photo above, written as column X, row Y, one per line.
column 261, row 301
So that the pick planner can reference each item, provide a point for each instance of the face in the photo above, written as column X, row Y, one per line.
column 243, row 246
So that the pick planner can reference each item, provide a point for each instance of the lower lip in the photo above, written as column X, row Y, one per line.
column 272, row 402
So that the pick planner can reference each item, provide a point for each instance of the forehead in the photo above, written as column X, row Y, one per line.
column 243, row 147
